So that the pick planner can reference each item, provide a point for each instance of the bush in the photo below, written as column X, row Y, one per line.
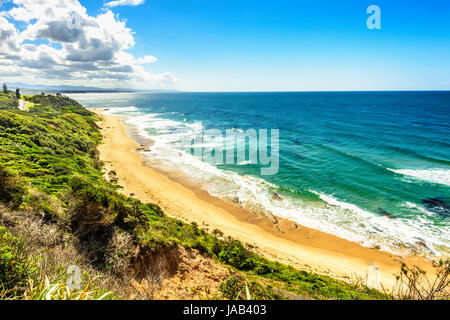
column 99, row 204
column 11, row 188
column 14, row 267
column 6, row 102
column 236, row 255
column 88, row 208
column 415, row 284
column 238, row 288
column 48, row 207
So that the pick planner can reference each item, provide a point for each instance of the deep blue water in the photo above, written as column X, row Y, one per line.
column 360, row 165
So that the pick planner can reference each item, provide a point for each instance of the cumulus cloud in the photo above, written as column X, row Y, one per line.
column 62, row 43
column 124, row 3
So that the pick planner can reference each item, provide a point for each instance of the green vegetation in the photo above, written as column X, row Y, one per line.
column 239, row 288
column 50, row 172
column 14, row 267
column 8, row 101
column 59, row 291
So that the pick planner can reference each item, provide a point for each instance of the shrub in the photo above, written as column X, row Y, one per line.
column 236, row 255
column 11, row 188
column 14, row 267
column 238, row 288
column 415, row 284
column 88, row 207
column 6, row 101
column 48, row 207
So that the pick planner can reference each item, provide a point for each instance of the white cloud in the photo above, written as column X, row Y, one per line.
column 61, row 43
column 147, row 60
column 124, row 3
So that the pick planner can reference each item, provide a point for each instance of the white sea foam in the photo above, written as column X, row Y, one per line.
column 120, row 110
column 431, row 175
column 333, row 216
column 419, row 208
column 395, row 233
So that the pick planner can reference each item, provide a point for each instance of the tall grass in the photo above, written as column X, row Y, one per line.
column 45, row 290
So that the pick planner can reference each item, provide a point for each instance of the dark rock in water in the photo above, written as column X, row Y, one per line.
column 422, row 244
column 434, row 202
column 385, row 213
column 276, row 196
column 234, row 199
column 437, row 206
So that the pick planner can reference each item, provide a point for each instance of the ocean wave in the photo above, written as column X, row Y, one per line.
column 360, row 159
column 419, row 234
column 431, row 175
column 409, row 151
column 153, row 125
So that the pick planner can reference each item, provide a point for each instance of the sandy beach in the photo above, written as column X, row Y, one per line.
column 286, row 242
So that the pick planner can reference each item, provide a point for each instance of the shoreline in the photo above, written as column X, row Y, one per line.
column 286, row 242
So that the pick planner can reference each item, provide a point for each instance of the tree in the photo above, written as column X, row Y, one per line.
column 18, row 93
column 5, row 88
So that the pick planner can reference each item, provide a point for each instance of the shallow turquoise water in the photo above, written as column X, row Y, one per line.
column 360, row 165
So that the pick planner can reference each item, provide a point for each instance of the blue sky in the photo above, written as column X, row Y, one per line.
column 291, row 45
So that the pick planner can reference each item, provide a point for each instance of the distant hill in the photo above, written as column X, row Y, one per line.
column 75, row 89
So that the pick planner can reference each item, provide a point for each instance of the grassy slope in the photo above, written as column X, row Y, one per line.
column 49, row 167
